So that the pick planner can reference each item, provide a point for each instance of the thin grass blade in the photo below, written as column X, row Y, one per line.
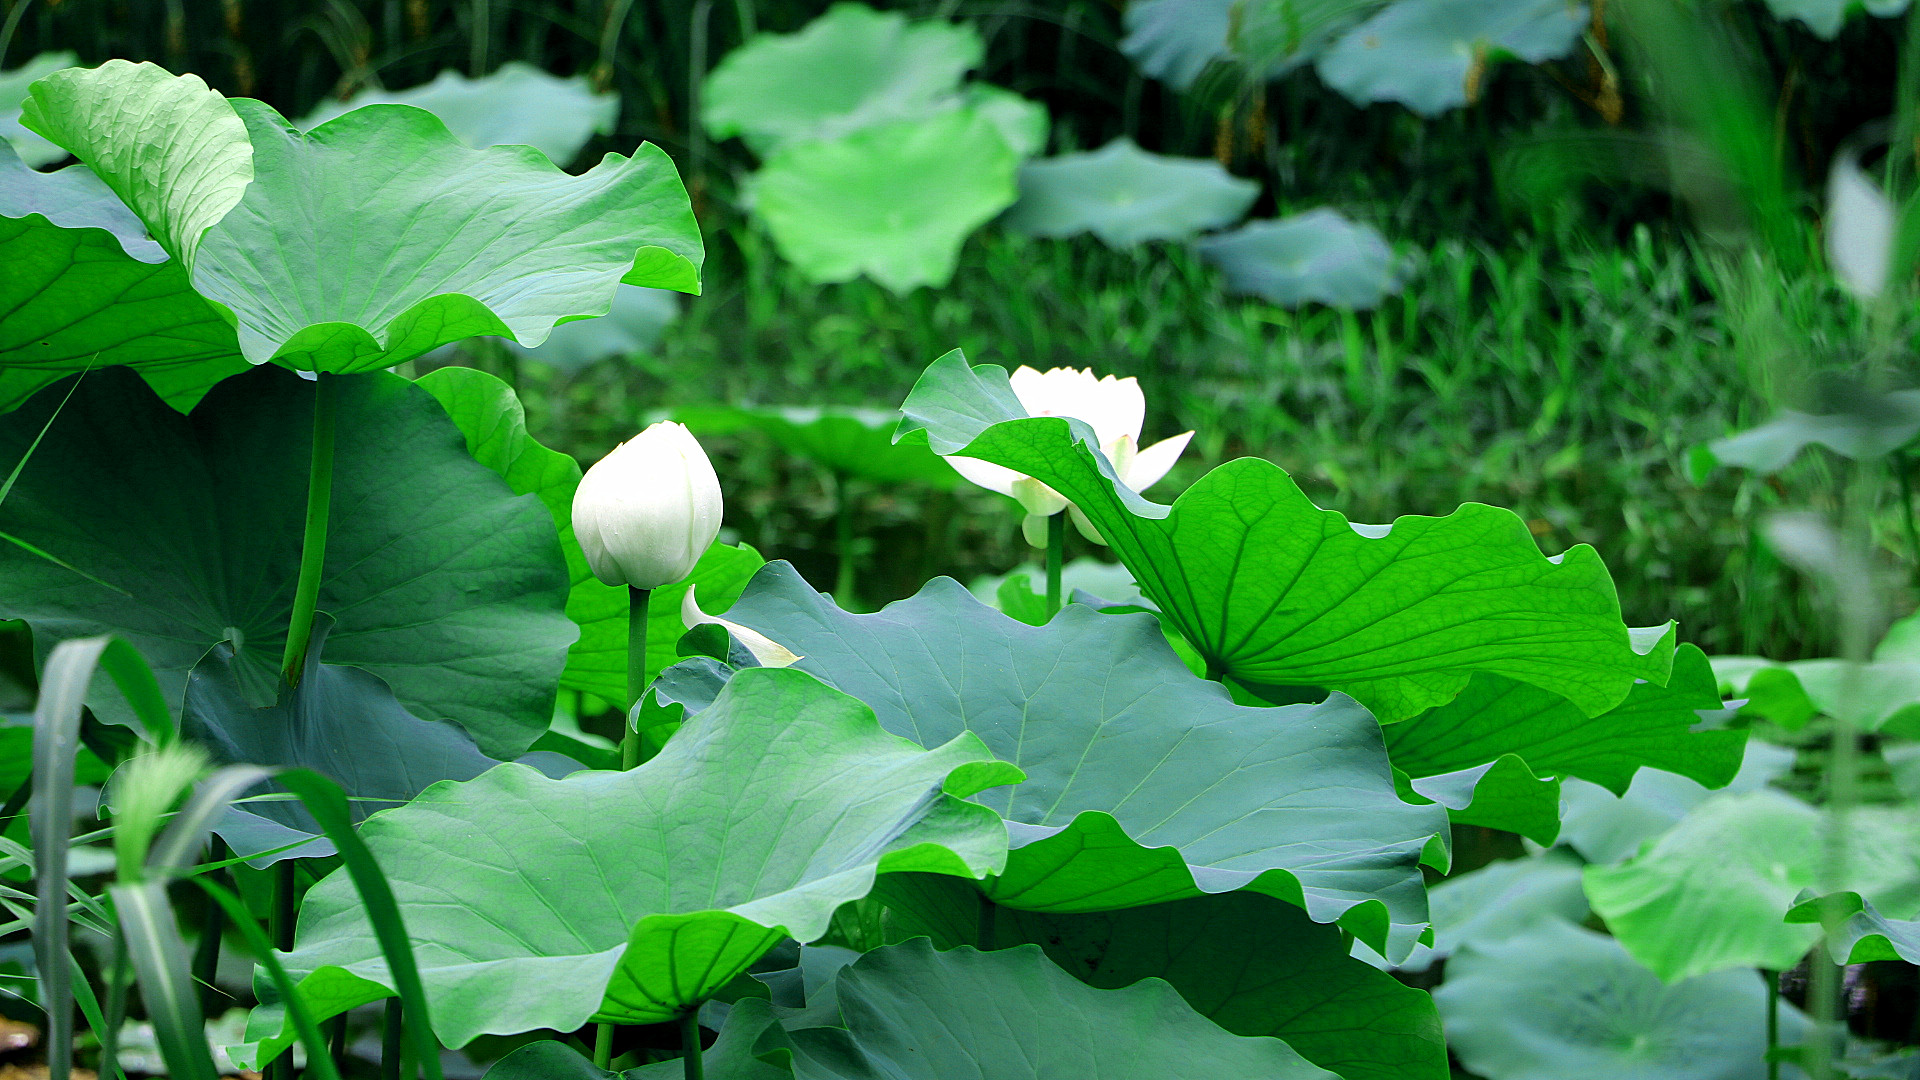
column 160, row 962
column 320, row 1064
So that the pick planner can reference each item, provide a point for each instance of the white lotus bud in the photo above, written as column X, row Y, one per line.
column 645, row 513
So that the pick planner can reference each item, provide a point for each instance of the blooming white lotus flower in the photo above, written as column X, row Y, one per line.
column 646, row 512
column 1114, row 408
column 767, row 651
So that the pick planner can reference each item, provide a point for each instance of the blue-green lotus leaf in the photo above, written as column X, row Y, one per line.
column 1556, row 1002
column 1175, row 40
column 271, row 226
column 1861, row 934
column 635, row 325
column 893, row 201
column 1504, row 794
column 850, row 68
column 908, row 1012
column 452, row 591
column 1432, row 55
column 33, row 149
column 631, row 897
column 1491, row 904
column 1125, row 196
column 1248, row 962
column 848, row 442
column 518, row 105
column 1144, row 782
column 1876, row 428
column 1314, row 257
column 1607, row 828
column 1274, row 591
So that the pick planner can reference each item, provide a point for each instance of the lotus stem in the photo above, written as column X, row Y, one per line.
column 692, row 1065
column 392, row 1041
column 1773, row 1021
column 313, row 544
column 206, row 957
column 1056, row 552
column 636, row 672
column 843, row 511
column 280, row 918
column 603, row 1045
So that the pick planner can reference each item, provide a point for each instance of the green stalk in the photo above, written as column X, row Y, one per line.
column 603, row 1045
column 637, row 599
column 392, row 1041
column 1056, row 553
column 313, row 544
column 206, row 957
column 691, row 1063
column 280, row 918
column 1773, row 1021
column 843, row 542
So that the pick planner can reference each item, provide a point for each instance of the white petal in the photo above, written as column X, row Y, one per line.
column 769, row 652
column 1086, row 527
column 985, row 473
column 1860, row 224
column 1038, row 498
column 1034, row 528
column 1149, row 465
column 1118, row 408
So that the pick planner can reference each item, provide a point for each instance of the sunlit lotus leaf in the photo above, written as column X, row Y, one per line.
column 1314, row 257
column 893, row 201
column 33, row 149
column 1400, row 616
column 1434, row 55
column 518, row 104
column 1712, row 893
column 771, row 91
column 1125, row 195
column 190, row 535
column 764, row 813
column 1144, row 782
column 1556, row 1002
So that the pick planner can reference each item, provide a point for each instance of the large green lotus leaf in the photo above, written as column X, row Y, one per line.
column 490, row 415
column 1125, row 196
column 1144, row 783
column 172, row 149
column 1711, row 893
column 1863, row 934
column 1876, row 427
column 33, row 149
column 1825, row 17
column 1493, row 903
column 1556, row 1002
column 517, row 104
column 494, row 241
column 1314, row 257
column 631, row 897
column 1431, row 55
column 1607, row 828
column 86, row 288
column 776, row 88
column 893, row 201
column 1248, row 962
column 1273, row 590
column 849, row 442
column 180, row 532
column 340, row 722
column 638, row 320
column 912, row 1013
column 1024, row 124
column 1879, row 695
column 1652, row 728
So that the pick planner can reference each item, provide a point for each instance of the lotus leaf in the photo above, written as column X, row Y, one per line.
column 1248, row 962
column 270, row 225
column 1502, row 794
column 1144, row 783
column 631, row 897
column 911, row 1013
column 1606, row 828
column 1825, row 17
column 635, row 324
column 1498, row 900
column 1863, row 935
column 1710, row 894
column 1557, row 1002
column 770, row 90
column 893, row 200
column 340, row 722
column 1399, row 616
column 1874, row 429
column 1314, row 257
column 495, row 425
column 33, row 149
column 518, row 104
column 1433, row 55
column 1125, row 195
column 850, row 443
column 190, row 535
column 1175, row 40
